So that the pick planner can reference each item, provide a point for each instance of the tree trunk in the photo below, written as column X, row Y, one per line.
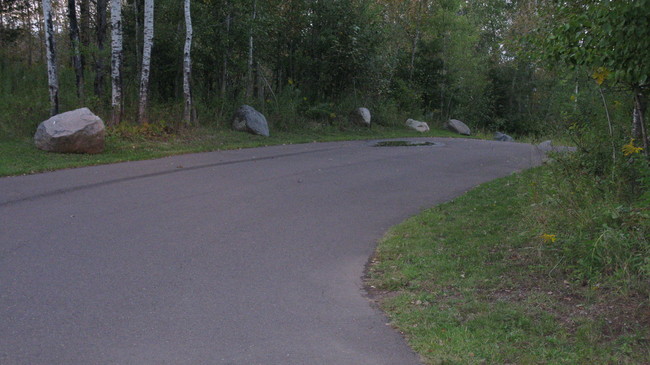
column 639, row 130
column 116, row 61
column 84, row 27
column 187, row 65
column 138, row 53
column 27, row 20
column 251, row 81
column 146, row 61
column 414, row 49
column 224, row 70
column 101, row 37
column 259, row 82
column 50, row 51
column 75, row 43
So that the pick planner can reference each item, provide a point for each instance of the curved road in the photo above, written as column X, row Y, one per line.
column 233, row 257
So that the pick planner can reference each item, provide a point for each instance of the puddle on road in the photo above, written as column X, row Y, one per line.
column 405, row 144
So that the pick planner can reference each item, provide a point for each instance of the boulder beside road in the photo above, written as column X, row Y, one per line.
column 76, row 131
column 457, row 126
column 247, row 119
column 417, row 125
column 498, row 136
column 361, row 116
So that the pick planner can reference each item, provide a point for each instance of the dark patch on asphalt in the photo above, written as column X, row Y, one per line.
column 406, row 144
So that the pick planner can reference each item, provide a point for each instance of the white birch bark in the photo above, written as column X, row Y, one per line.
column 187, row 65
column 50, row 53
column 116, row 60
column 146, row 61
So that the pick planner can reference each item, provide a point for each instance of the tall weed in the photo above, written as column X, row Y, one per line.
column 600, row 234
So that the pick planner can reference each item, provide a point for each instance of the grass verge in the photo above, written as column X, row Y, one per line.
column 472, row 282
column 130, row 143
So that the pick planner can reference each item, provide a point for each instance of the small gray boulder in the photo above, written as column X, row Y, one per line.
column 547, row 146
column 457, row 126
column 76, row 131
column 247, row 119
column 417, row 125
column 361, row 116
column 498, row 136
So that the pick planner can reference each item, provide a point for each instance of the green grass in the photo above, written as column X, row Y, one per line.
column 472, row 282
column 19, row 156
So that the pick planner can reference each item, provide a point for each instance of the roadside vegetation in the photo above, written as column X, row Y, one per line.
column 18, row 156
column 542, row 267
column 548, row 266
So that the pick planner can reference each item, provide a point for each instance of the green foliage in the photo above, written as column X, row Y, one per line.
column 340, row 44
column 602, row 231
column 23, row 107
column 472, row 281
column 610, row 34
column 441, row 59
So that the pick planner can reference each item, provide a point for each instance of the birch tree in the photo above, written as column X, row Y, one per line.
column 75, row 43
column 116, row 61
column 187, row 65
column 146, row 61
column 50, row 52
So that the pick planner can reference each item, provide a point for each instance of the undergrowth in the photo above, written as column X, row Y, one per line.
column 547, row 266
column 599, row 224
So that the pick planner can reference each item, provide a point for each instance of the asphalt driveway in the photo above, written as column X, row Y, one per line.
column 235, row 257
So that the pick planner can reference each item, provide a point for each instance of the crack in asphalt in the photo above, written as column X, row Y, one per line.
column 153, row 174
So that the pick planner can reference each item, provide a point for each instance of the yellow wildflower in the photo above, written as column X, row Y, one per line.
column 548, row 238
column 630, row 148
column 600, row 75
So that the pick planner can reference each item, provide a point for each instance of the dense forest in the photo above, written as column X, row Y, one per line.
column 577, row 69
column 518, row 66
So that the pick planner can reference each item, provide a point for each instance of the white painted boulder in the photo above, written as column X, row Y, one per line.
column 417, row 125
column 361, row 116
column 76, row 131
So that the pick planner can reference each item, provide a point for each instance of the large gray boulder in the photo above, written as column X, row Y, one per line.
column 247, row 119
column 76, row 131
column 361, row 116
column 498, row 136
column 417, row 125
column 457, row 126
